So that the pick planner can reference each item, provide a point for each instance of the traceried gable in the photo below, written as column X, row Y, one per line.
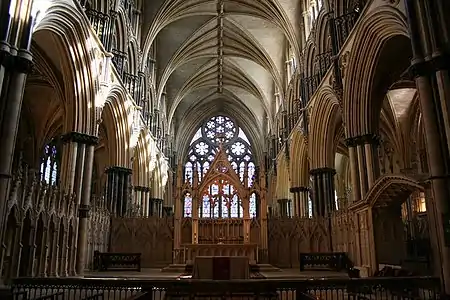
column 221, row 156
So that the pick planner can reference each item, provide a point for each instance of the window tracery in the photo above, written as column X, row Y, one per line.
column 221, row 199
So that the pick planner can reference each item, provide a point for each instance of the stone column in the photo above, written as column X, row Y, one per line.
column 156, row 207
column 430, row 66
column 324, row 199
column 282, row 206
column 141, row 200
column 15, row 66
column 361, row 168
column 301, row 197
column 295, row 201
column 354, row 171
column 118, row 192
column 195, row 205
column 167, row 211
column 83, row 211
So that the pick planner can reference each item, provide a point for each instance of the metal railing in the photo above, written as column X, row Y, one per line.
column 283, row 289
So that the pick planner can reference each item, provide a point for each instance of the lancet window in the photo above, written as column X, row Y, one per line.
column 221, row 199
column 50, row 163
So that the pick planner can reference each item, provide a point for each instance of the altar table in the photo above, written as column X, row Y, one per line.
column 191, row 251
column 221, row 267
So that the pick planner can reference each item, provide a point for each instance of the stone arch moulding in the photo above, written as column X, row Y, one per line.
column 377, row 28
column 117, row 123
column 390, row 187
column 65, row 22
column 325, row 119
column 299, row 160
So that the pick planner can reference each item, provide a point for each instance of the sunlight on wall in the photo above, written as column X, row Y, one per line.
column 39, row 10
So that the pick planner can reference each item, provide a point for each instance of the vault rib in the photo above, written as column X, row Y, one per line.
column 220, row 15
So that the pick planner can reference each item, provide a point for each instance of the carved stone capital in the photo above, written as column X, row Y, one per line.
column 320, row 171
column 299, row 189
column 142, row 189
column 80, row 138
column 118, row 170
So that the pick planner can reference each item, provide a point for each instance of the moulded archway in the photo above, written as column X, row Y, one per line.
column 372, row 36
column 63, row 28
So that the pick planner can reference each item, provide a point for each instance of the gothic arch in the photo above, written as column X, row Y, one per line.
column 322, row 33
column 120, row 30
column 299, row 171
column 133, row 57
column 325, row 122
column 117, row 122
column 44, row 108
column 69, row 29
column 160, row 178
column 144, row 159
column 389, row 188
column 309, row 54
column 376, row 29
column 282, row 188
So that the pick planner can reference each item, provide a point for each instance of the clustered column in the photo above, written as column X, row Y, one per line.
column 118, row 188
column 156, row 207
column 76, row 177
column 15, row 65
column 283, row 207
column 430, row 65
column 323, row 186
column 142, row 199
column 364, row 164
column 301, row 196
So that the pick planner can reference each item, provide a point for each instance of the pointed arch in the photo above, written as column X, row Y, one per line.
column 299, row 161
column 120, row 40
column 65, row 23
column 160, row 177
column 282, row 187
column 144, row 161
column 325, row 119
column 389, row 188
column 117, row 122
column 376, row 29
column 133, row 57
column 309, row 55
column 322, row 35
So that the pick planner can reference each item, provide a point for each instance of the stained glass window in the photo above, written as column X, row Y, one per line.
column 221, row 200
column 50, row 163
column 187, row 206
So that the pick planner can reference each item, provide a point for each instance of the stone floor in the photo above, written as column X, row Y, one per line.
column 157, row 274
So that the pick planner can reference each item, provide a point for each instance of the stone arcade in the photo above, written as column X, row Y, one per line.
column 280, row 132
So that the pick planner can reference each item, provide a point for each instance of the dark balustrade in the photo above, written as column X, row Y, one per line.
column 325, row 288
column 131, row 83
column 344, row 25
column 119, row 60
column 322, row 63
column 308, row 86
column 102, row 24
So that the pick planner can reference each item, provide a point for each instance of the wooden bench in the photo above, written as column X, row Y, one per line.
column 332, row 261
column 117, row 261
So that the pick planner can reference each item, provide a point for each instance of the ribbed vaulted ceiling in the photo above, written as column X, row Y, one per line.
column 221, row 56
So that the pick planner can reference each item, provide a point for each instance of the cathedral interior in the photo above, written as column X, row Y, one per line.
column 145, row 142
